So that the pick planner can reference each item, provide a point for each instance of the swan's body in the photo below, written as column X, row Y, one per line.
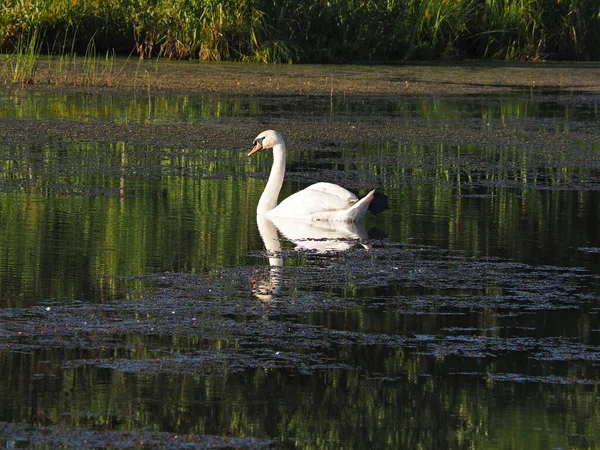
column 320, row 201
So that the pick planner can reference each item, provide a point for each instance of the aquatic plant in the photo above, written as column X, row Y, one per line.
column 438, row 26
column 23, row 63
column 97, row 68
column 66, row 67
column 513, row 29
column 66, row 59
column 310, row 30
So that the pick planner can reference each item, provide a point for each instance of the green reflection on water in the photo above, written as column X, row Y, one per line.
column 337, row 407
column 133, row 108
column 75, row 214
column 157, row 109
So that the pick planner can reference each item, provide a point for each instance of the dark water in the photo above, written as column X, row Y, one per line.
column 129, row 272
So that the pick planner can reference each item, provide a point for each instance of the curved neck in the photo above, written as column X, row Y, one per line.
column 268, row 199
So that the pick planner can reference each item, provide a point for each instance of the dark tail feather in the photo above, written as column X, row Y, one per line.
column 379, row 203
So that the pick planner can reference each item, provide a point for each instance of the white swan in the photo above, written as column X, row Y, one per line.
column 321, row 201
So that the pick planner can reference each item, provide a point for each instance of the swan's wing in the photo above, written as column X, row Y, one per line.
column 317, row 198
column 337, row 193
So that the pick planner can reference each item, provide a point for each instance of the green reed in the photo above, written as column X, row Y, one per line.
column 305, row 30
column 90, row 64
column 67, row 59
column 24, row 61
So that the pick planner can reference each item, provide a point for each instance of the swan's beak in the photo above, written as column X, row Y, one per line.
column 258, row 147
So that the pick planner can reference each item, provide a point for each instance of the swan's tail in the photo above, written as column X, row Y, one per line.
column 359, row 209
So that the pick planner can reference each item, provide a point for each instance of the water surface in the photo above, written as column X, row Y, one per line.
column 131, row 259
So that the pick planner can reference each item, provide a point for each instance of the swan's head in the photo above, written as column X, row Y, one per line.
column 266, row 140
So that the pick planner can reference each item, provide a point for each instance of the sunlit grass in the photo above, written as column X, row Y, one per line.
column 98, row 69
column 296, row 30
column 23, row 62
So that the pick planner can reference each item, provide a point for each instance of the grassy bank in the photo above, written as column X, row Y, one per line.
column 305, row 30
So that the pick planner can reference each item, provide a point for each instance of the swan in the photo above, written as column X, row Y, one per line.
column 320, row 201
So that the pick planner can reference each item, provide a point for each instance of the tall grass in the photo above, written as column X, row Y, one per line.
column 67, row 59
column 66, row 67
column 23, row 62
column 308, row 30
column 439, row 26
column 514, row 29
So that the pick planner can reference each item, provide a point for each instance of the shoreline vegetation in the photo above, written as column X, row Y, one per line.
column 128, row 44
column 304, row 31
column 122, row 75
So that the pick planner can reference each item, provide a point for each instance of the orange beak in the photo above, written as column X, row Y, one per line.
column 258, row 147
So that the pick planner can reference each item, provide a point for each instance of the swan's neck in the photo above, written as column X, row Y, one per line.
column 268, row 199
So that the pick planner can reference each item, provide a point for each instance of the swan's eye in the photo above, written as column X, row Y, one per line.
column 258, row 140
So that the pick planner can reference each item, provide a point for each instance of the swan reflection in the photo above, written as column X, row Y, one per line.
column 316, row 237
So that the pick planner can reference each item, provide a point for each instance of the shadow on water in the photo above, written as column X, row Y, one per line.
column 131, row 261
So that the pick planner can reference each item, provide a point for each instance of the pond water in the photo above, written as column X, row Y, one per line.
column 142, row 302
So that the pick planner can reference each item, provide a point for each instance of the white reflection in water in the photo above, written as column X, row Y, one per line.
column 311, row 236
